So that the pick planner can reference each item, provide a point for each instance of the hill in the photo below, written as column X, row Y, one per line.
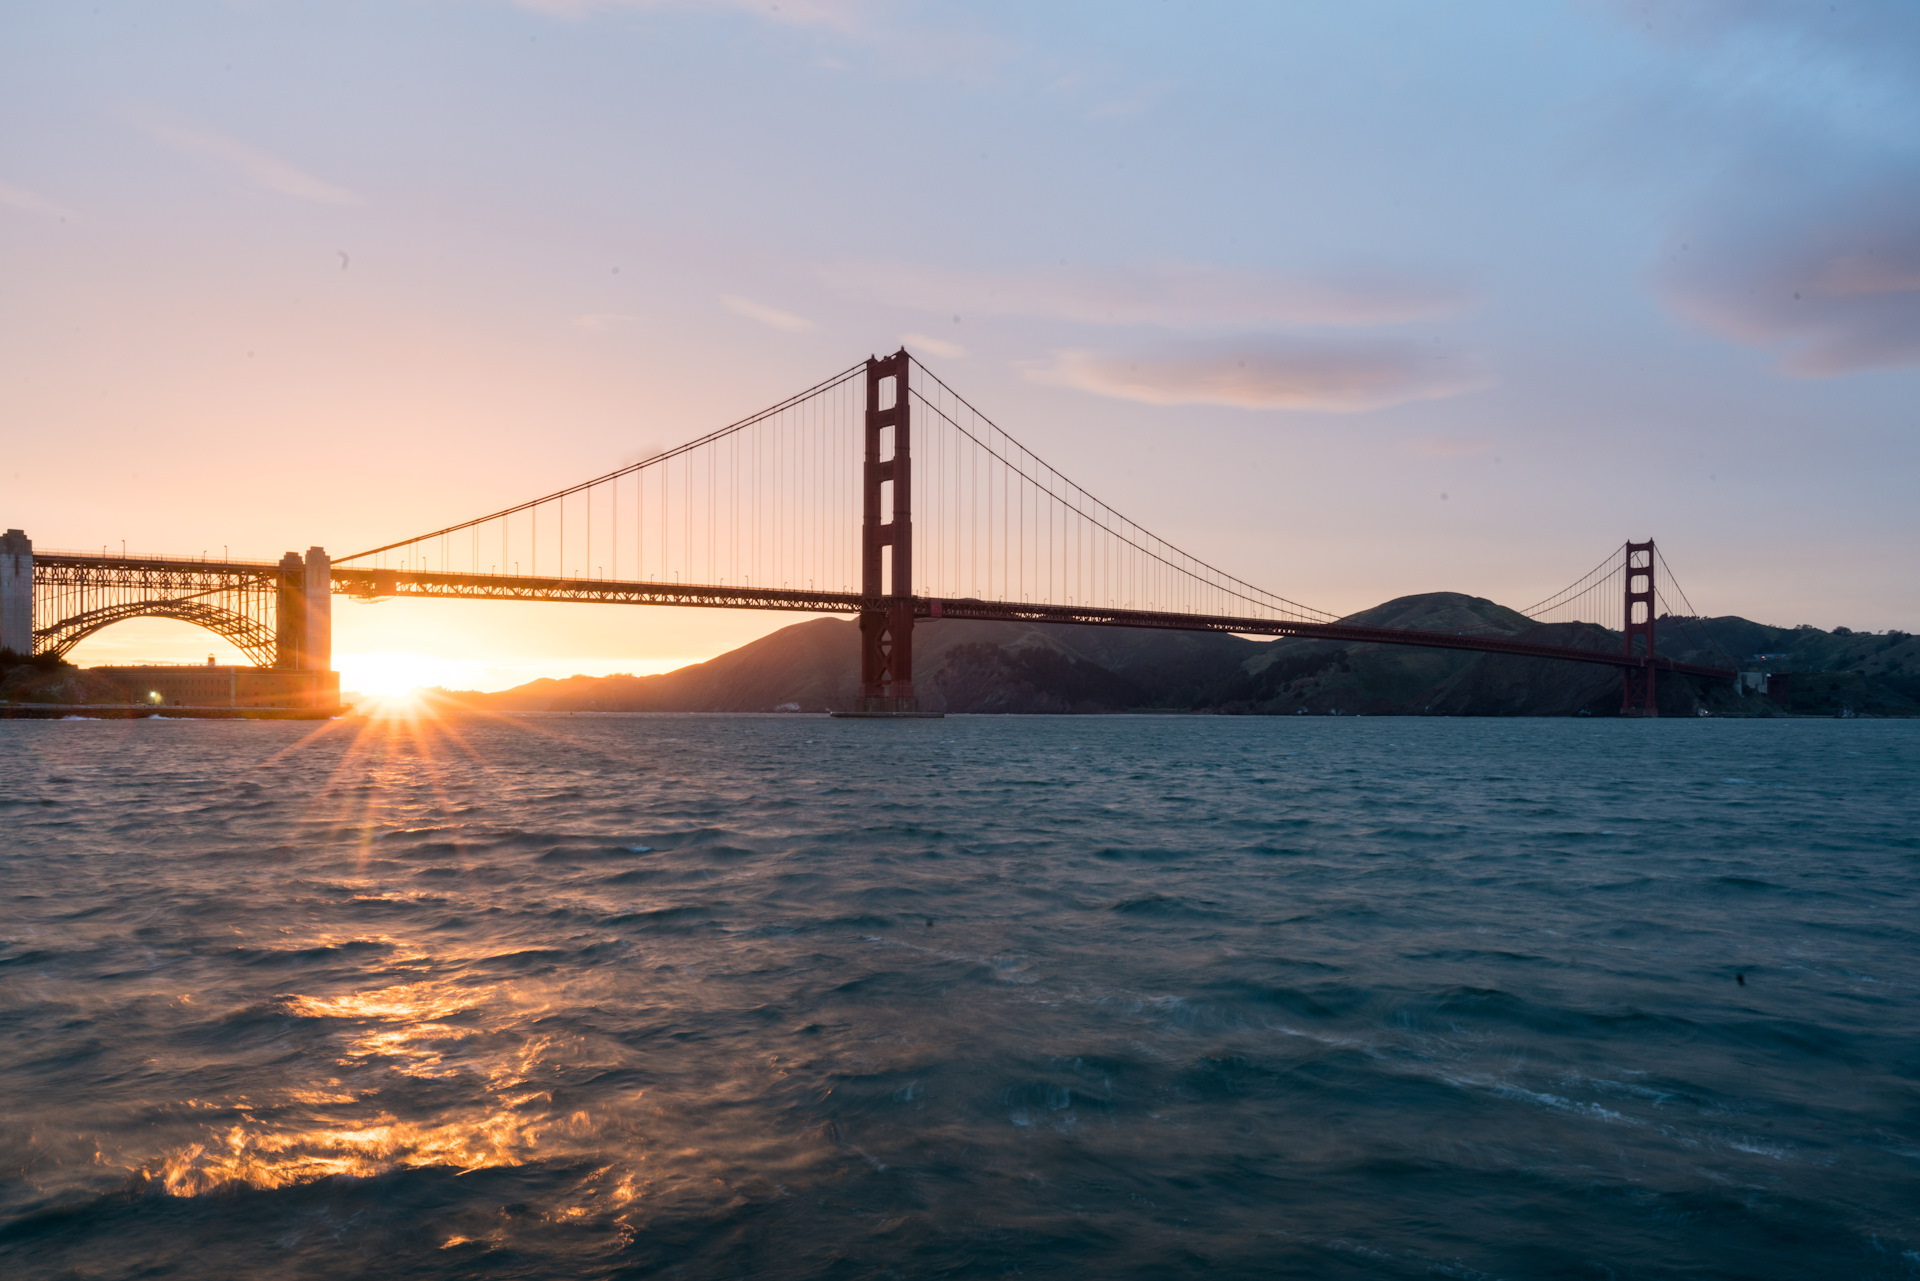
column 961, row 666
column 972, row 666
column 43, row 678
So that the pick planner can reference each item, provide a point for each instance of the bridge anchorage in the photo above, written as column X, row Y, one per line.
column 878, row 493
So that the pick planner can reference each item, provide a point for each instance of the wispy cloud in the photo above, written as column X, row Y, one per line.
column 844, row 15
column 599, row 322
column 1805, row 237
column 770, row 316
column 1326, row 377
column 964, row 44
column 1134, row 102
column 1833, row 286
column 1448, row 446
column 1175, row 295
column 933, row 346
column 1877, row 36
column 262, row 169
column 28, row 202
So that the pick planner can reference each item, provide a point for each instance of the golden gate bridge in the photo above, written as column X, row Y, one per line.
column 879, row 492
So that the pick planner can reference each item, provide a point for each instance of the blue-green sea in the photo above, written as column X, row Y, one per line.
column 692, row 997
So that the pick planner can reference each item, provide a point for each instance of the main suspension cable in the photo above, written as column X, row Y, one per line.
column 661, row 457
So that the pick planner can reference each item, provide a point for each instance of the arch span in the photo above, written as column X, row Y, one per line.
column 252, row 637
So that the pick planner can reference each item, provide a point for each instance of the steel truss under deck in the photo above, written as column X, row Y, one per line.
column 82, row 593
column 376, row 584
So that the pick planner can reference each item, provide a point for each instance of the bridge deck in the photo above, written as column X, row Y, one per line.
column 379, row 583
column 191, row 576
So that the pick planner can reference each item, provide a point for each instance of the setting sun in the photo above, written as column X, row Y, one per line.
column 393, row 675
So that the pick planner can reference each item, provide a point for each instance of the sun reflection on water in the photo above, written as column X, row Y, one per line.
column 351, row 1115
column 409, row 1035
column 407, row 1001
column 313, row 1133
column 263, row 1158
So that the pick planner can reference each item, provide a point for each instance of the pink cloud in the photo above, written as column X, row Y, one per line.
column 1325, row 377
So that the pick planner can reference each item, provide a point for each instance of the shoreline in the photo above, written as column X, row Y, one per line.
column 136, row 711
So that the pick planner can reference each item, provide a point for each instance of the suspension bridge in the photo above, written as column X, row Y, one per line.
column 879, row 493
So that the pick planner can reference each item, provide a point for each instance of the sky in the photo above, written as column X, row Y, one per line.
column 1352, row 300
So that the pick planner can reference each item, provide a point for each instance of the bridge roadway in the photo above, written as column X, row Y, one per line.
column 181, row 579
column 377, row 584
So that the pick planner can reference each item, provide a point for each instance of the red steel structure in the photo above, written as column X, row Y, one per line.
column 1637, row 694
column 760, row 514
column 886, row 545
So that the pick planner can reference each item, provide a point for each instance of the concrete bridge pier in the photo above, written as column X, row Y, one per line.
column 290, row 613
column 16, row 592
column 318, row 604
column 303, row 612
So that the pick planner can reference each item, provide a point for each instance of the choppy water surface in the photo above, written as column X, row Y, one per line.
column 731, row 996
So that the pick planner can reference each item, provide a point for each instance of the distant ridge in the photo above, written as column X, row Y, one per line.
column 964, row 666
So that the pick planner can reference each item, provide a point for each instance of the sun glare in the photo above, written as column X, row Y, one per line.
column 396, row 675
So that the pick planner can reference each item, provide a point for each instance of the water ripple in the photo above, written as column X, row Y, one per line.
column 721, row 996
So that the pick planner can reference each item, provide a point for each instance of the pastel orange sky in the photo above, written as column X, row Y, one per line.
column 1352, row 301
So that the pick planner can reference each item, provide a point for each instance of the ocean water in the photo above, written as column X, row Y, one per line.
column 1089, row 997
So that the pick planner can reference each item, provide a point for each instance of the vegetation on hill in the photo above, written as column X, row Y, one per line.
column 1826, row 673
column 47, row 678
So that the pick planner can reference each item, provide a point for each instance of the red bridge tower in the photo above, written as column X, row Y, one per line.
column 1637, row 699
column 886, row 616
